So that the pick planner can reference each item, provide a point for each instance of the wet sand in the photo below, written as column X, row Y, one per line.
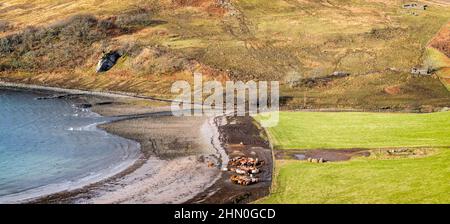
column 178, row 150
column 175, row 164
column 181, row 157
column 173, row 167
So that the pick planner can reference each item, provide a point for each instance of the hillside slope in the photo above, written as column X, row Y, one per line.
column 438, row 54
column 294, row 41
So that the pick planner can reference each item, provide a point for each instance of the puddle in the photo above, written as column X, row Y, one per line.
column 300, row 156
column 329, row 155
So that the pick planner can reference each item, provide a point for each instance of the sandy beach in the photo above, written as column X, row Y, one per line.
column 175, row 164
column 181, row 157
column 178, row 165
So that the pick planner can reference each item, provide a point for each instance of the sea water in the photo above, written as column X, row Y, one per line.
column 52, row 145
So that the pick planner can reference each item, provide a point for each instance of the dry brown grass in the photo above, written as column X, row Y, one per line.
column 442, row 40
column 376, row 41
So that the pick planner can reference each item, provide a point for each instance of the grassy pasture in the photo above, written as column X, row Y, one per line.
column 420, row 180
column 313, row 130
column 373, row 179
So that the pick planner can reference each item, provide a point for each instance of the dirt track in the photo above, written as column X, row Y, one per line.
column 233, row 132
column 329, row 155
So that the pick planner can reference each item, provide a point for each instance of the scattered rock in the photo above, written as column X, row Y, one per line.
column 84, row 105
column 58, row 96
column 104, row 103
column 201, row 159
column 246, row 168
column 426, row 109
column 315, row 160
column 243, row 180
column 421, row 71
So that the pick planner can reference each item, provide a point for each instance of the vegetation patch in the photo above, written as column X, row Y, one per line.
column 375, row 158
column 337, row 130
column 5, row 26
column 442, row 41
column 402, row 152
column 364, row 180
column 438, row 55
column 65, row 44
column 376, row 42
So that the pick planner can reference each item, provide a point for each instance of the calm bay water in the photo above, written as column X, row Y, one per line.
column 51, row 145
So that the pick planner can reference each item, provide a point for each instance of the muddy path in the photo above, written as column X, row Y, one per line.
column 328, row 155
column 240, row 136
column 337, row 155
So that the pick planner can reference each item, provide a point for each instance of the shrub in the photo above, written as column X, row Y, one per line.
column 66, row 44
column 158, row 61
column 80, row 28
column 386, row 33
column 4, row 26
column 134, row 19
column 106, row 25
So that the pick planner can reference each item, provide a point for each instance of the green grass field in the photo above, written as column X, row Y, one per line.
column 313, row 130
column 420, row 180
column 369, row 179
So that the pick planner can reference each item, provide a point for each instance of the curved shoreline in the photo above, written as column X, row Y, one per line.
column 174, row 179
column 130, row 153
column 62, row 90
column 142, row 178
column 104, row 191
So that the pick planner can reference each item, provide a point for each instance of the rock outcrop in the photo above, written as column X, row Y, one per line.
column 108, row 61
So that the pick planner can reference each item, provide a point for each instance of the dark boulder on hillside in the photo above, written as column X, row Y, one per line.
column 108, row 61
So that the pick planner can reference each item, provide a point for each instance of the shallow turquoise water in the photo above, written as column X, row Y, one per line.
column 51, row 145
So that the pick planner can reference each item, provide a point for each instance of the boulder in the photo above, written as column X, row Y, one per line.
column 108, row 61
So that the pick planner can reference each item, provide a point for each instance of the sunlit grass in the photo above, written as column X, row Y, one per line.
column 311, row 130
column 420, row 180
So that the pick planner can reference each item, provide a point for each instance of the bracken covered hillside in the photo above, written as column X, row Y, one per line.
column 299, row 42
